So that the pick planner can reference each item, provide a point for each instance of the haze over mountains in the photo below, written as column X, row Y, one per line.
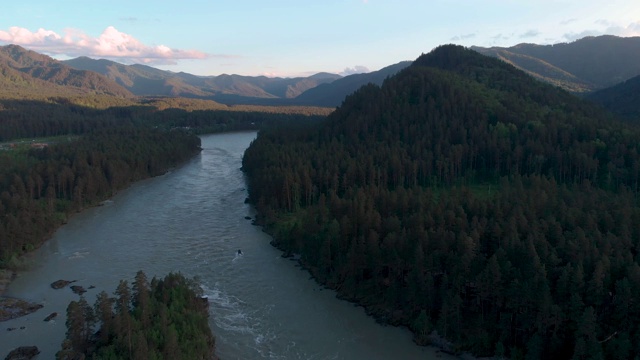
column 583, row 66
column 145, row 80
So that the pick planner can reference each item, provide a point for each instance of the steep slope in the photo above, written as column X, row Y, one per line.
column 141, row 80
column 148, row 81
column 468, row 201
column 541, row 70
column 332, row 94
column 42, row 67
column 622, row 99
column 583, row 65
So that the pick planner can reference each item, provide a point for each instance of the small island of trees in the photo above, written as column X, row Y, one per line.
column 164, row 319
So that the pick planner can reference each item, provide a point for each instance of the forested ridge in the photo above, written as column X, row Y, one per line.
column 465, row 199
column 162, row 319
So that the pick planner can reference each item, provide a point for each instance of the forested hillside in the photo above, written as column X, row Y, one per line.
column 28, row 70
column 622, row 99
column 465, row 199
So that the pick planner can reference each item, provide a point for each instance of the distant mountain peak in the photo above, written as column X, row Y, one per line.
column 36, row 73
column 581, row 66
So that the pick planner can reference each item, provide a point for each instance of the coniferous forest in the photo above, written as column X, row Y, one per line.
column 57, row 158
column 162, row 319
column 84, row 163
column 469, row 202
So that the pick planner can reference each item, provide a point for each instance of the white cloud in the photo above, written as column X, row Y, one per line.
column 609, row 28
column 632, row 29
column 463, row 37
column 358, row 69
column 530, row 34
column 111, row 44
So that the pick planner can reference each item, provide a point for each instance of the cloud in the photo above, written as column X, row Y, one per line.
column 610, row 28
column 632, row 29
column 463, row 37
column 358, row 69
column 530, row 34
column 568, row 21
column 111, row 44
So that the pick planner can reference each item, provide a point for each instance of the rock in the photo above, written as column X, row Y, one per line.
column 51, row 316
column 78, row 289
column 23, row 353
column 91, row 287
column 11, row 308
column 59, row 284
column 247, row 217
column 246, row 200
column 10, row 329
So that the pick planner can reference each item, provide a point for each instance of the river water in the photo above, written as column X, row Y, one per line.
column 192, row 220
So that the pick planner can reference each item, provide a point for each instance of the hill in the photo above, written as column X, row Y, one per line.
column 32, row 74
column 622, row 99
column 485, row 210
column 584, row 65
column 144, row 80
column 332, row 94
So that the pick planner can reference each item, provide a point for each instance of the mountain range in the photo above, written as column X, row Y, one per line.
column 144, row 80
column 25, row 73
column 583, row 66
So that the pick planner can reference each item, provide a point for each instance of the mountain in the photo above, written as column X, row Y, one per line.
column 332, row 94
column 584, row 65
column 622, row 99
column 147, row 81
column 487, row 211
column 34, row 73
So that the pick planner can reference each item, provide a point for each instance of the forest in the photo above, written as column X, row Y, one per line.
column 162, row 319
column 58, row 157
column 469, row 202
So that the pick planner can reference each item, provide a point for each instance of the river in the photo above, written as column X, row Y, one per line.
column 192, row 220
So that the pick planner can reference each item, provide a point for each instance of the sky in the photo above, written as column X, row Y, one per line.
column 289, row 38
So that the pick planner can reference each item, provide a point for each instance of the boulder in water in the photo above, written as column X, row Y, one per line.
column 23, row 353
column 11, row 308
column 59, row 284
column 78, row 289
column 51, row 316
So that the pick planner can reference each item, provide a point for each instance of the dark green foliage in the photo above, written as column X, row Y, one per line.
column 171, row 323
column 90, row 154
column 622, row 99
column 94, row 155
column 465, row 197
